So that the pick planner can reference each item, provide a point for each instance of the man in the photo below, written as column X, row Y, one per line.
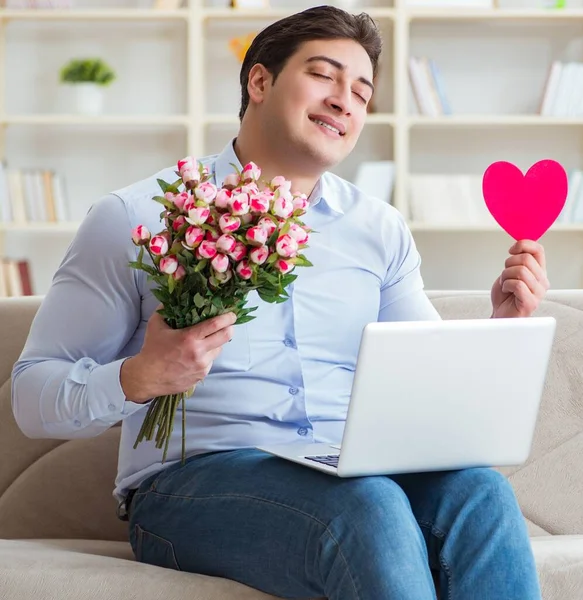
column 98, row 351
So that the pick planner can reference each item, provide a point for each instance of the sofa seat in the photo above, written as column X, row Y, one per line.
column 93, row 570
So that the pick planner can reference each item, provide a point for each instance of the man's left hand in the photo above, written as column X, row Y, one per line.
column 523, row 283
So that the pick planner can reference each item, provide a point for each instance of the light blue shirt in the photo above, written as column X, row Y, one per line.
column 285, row 377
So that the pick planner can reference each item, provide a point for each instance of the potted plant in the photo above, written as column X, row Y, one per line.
column 89, row 76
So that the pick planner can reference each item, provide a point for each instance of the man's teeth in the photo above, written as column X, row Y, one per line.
column 326, row 125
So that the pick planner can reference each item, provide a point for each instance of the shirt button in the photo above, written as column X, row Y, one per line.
column 77, row 423
column 111, row 407
column 302, row 431
column 293, row 391
column 289, row 343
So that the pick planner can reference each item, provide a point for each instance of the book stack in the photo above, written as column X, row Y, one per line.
column 439, row 199
column 563, row 91
column 31, row 196
column 428, row 88
column 15, row 278
column 573, row 210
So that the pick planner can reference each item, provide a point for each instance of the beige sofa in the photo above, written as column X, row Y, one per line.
column 60, row 538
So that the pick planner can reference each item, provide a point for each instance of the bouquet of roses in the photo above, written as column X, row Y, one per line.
column 218, row 244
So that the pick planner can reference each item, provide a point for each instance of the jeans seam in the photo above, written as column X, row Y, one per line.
column 292, row 508
column 441, row 535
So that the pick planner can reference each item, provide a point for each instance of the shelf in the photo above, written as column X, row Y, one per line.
column 95, row 14
column 278, row 13
column 483, row 227
column 371, row 119
column 70, row 227
column 96, row 120
column 492, row 120
column 525, row 15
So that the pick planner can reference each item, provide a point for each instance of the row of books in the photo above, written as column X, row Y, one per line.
column 563, row 91
column 573, row 210
column 428, row 88
column 32, row 196
column 15, row 278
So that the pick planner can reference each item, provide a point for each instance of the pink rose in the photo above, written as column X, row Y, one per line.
column 222, row 198
column 206, row 249
column 212, row 234
column 239, row 204
column 180, row 200
column 281, row 182
column 220, row 263
column 250, row 188
column 282, row 207
column 206, row 192
column 239, row 252
column 228, row 223
column 244, row 270
column 268, row 225
column 246, row 219
column 178, row 222
column 193, row 236
column 198, row 215
column 257, row 236
column 159, row 245
column 223, row 277
column 251, row 172
column 189, row 163
column 226, row 243
column 284, row 266
column 190, row 177
column 140, row 235
column 286, row 246
column 301, row 204
column 299, row 234
column 189, row 205
column 168, row 265
column 179, row 273
column 259, row 255
column 259, row 204
column 231, row 181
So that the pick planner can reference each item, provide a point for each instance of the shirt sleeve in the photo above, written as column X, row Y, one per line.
column 402, row 293
column 66, row 382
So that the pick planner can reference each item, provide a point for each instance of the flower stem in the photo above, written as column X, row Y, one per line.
column 183, row 427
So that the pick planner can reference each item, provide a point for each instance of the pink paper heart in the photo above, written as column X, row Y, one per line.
column 525, row 206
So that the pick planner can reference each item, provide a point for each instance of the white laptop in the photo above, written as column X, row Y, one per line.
column 438, row 395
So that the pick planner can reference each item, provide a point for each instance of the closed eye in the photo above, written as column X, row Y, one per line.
column 322, row 76
column 361, row 98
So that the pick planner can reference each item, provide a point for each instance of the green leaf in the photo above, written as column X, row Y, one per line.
column 201, row 265
column 242, row 320
column 199, row 301
column 272, row 258
column 171, row 283
column 163, row 185
column 218, row 302
column 164, row 202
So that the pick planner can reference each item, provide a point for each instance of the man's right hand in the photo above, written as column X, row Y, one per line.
column 172, row 361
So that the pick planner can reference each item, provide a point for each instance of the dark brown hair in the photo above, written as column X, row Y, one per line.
column 275, row 44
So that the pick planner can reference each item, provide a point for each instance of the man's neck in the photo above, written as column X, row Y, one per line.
column 272, row 164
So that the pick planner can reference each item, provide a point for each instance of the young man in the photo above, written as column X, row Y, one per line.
column 230, row 510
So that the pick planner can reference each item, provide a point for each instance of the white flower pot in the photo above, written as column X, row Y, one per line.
column 89, row 97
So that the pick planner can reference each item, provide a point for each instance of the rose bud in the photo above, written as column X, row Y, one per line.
column 280, row 182
column 222, row 199
column 257, row 236
column 206, row 250
column 282, row 207
column 190, row 178
column 206, row 192
column 239, row 252
column 239, row 204
column 286, row 246
column 228, row 223
column 250, row 188
column 251, row 172
column 301, row 204
column 259, row 204
column 223, row 277
column 220, row 263
column 179, row 273
column 244, row 270
column 259, row 255
column 159, row 245
column 246, row 219
column 193, row 237
column 189, row 163
column 231, row 181
column 268, row 225
column 284, row 266
column 212, row 235
column 198, row 215
column 226, row 243
column 178, row 222
column 299, row 234
column 141, row 235
column 180, row 200
column 168, row 265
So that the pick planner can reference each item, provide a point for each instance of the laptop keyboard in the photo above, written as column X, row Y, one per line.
column 330, row 460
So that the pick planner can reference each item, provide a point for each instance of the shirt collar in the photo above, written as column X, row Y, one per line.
column 323, row 192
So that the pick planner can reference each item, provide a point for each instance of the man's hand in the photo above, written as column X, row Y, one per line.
column 172, row 361
column 523, row 283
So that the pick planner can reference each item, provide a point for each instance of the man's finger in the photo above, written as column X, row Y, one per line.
column 529, row 262
column 530, row 247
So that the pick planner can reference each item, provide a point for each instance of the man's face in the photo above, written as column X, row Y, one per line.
column 317, row 106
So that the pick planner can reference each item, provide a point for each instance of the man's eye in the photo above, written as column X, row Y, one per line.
column 360, row 97
column 322, row 75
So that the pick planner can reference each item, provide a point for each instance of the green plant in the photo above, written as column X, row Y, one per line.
column 84, row 70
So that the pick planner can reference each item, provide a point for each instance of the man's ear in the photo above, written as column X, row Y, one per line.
column 258, row 83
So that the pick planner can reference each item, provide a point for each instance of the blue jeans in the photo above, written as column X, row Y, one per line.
column 294, row 532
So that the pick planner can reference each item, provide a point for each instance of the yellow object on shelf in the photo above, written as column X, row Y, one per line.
column 240, row 45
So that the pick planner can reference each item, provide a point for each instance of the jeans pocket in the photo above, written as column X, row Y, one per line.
column 155, row 550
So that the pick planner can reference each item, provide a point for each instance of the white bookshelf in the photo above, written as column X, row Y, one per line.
column 202, row 121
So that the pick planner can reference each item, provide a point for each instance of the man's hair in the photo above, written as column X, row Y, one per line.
column 275, row 44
